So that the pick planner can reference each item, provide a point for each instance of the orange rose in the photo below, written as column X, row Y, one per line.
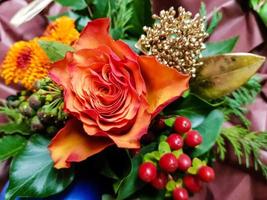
column 112, row 93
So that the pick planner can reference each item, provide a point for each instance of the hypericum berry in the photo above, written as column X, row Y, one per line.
column 160, row 181
column 175, row 141
column 184, row 162
column 192, row 183
column 182, row 125
column 206, row 174
column 180, row 193
column 193, row 138
column 168, row 162
column 147, row 172
column 160, row 124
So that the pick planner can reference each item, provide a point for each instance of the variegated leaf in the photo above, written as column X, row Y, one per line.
column 222, row 74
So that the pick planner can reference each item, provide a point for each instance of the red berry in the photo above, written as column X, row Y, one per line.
column 192, row 183
column 168, row 162
column 175, row 141
column 160, row 181
column 206, row 174
column 182, row 125
column 180, row 193
column 160, row 124
column 193, row 138
column 147, row 172
column 184, row 162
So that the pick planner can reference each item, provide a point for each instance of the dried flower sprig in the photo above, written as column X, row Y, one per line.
column 176, row 41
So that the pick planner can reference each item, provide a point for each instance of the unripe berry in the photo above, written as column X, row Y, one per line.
column 206, row 174
column 147, row 172
column 182, row 125
column 175, row 141
column 193, row 138
column 168, row 162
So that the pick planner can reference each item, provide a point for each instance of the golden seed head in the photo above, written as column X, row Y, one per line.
column 176, row 41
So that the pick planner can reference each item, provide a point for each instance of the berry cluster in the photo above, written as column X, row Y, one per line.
column 171, row 169
column 42, row 110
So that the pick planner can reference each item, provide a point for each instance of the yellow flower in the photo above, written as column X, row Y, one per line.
column 61, row 30
column 25, row 63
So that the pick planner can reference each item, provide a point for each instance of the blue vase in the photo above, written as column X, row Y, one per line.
column 80, row 189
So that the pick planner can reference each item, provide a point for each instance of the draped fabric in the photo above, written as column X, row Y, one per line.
column 233, row 182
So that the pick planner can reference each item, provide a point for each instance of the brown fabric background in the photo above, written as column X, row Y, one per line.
column 232, row 182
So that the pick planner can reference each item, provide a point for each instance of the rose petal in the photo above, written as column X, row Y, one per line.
column 94, row 34
column 72, row 144
column 163, row 83
column 59, row 71
column 132, row 138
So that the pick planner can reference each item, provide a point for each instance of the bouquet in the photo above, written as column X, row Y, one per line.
column 135, row 103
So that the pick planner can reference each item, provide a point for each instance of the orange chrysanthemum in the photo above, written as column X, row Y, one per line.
column 25, row 63
column 62, row 30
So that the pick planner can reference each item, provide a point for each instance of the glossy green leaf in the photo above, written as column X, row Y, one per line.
column 164, row 147
column 222, row 74
column 260, row 6
column 55, row 50
column 74, row 4
column 142, row 12
column 221, row 47
column 210, row 130
column 131, row 183
column 32, row 173
column 13, row 128
column 10, row 145
column 191, row 107
column 215, row 20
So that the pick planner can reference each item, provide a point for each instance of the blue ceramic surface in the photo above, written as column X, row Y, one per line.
column 79, row 190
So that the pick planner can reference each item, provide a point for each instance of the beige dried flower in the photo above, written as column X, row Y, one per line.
column 176, row 41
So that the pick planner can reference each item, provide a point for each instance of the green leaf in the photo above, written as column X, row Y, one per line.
column 10, row 145
column 32, row 172
column 196, row 164
column 260, row 6
column 216, row 48
column 171, row 185
column 170, row 121
column 55, row 50
column 102, row 8
column 222, row 74
column 74, row 4
column 141, row 16
column 210, row 130
column 131, row 183
column 191, row 107
column 13, row 128
column 164, row 147
column 215, row 20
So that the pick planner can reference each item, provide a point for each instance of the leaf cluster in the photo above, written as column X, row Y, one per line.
column 245, row 144
column 234, row 104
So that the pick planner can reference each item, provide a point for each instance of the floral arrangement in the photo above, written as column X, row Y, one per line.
column 148, row 120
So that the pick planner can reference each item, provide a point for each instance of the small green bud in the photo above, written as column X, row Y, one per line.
column 36, row 101
column 25, row 109
column 51, row 130
column 49, row 98
column 46, row 113
column 36, row 124
column 22, row 98
column 43, row 83
column 12, row 98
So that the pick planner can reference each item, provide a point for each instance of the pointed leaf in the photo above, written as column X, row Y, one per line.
column 11, row 145
column 55, row 50
column 222, row 74
column 216, row 48
column 210, row 130
column 32, row 173
column 12, row 128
